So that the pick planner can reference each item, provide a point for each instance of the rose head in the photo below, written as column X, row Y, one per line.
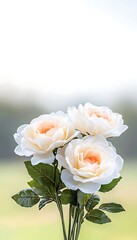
column 97, row 120
column 43, row 135
column 89, row 163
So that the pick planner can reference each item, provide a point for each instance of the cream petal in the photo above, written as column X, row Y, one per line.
column 17, row 138
column 75, row 134
column 45, row 158
column 43, row 142
column 89, row 187
column 21, row 128
column 81, row 178
column 107, row 178
column 18, row 151
column 119, row 162
column 61, row 158
column 57, row 144
column 59, row 134
column 26, row 145
column 21, row 152
column 18, row 135
column 67, row 179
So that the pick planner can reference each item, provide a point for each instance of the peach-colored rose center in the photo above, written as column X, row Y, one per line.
column 45, row 128
column 99, row 115
column 92, row 158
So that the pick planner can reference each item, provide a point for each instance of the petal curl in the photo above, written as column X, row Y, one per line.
column 45, row 158
column 89, row 187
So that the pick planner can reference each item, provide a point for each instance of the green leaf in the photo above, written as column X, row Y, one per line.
column 110, row 186
column 68, row 196
column 42, row 173
column 43, row 202
column 112, row 207
column 45, row 191
column 92, row 202
column 97, row 216
column 82, row 198
column 26, row 198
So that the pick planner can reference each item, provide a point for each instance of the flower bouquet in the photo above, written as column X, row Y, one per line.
column 71, row 161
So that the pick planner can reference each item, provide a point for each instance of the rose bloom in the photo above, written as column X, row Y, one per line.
column 89, row 163
column 43, row 135
column 97, row 120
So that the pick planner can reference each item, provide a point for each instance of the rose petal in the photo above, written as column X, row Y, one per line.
column 47, row 158
column 67, row 178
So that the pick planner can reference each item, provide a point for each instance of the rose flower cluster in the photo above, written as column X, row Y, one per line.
column 79, row 137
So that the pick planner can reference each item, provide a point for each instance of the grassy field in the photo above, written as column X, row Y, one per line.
column 18, row 223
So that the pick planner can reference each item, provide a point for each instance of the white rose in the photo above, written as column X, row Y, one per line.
column 89, row 163
column 43, row 135
column 97, row 120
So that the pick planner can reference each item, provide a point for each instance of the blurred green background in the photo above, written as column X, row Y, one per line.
column 55, row 54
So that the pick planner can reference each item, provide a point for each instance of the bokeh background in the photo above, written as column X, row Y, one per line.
column 55, row 54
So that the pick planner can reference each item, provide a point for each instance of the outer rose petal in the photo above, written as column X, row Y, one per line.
column 19, row 151
column 67, row 178
column 119, row 162
column 17, row 136
column 47, row 158
column 60, row 157
column 21, row 128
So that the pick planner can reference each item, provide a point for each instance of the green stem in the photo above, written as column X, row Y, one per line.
column 74, row 224
column 69, row 227
column 78, row 225
column 59, row 205
column 61, row 215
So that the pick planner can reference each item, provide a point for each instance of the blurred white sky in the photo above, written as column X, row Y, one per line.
column 69, row 47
